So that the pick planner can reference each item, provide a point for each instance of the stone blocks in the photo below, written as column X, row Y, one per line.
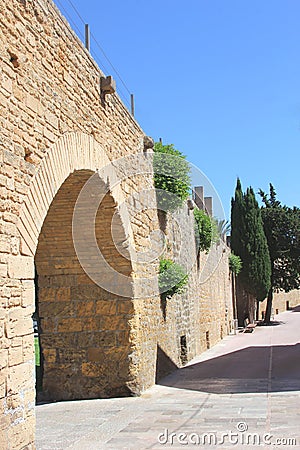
column 56, row 133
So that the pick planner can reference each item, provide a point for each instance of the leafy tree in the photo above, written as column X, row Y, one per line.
column 235, row 266
column 282, row 229
column 171, row 177
column 248, row 241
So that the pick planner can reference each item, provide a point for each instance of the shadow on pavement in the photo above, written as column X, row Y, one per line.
column 242, row 371
column 296, row 309
column 164, row 365
column 273, row 323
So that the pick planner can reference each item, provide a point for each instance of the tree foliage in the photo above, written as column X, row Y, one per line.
column 248, row 241
column 172, row 278
column 237, row 220
column 204, row 230
column 282, row 229
column 235, row 263
column 171, row 177
column 259, row 262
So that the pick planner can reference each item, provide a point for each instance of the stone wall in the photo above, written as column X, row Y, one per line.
column 280, row 300
column 216, row 308
column 202, row 315
column 56, row 131
column 101, row 321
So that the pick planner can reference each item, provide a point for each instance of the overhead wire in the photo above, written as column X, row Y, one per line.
column 100, row 48
column 80, row 34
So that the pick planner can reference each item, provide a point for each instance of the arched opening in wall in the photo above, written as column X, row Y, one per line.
column 84, row 330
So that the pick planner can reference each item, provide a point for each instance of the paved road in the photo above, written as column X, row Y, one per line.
column 245, row 389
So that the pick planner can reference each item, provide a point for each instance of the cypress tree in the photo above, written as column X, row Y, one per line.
column 258, row 264
column 238, row 248
column 237, row 220
column 249, row 242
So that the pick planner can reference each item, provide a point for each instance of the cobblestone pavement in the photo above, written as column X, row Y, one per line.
column 247, row 386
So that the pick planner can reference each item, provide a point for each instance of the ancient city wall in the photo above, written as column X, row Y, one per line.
column 202, row 315
column 101, row 325
column 282, row 301
column 56, row 131
column 216, row 311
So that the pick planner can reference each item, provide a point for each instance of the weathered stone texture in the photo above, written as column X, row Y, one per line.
column 82, row 308
column 55, row 133
column 53, row 124
column 202, row 315
column 280, row 300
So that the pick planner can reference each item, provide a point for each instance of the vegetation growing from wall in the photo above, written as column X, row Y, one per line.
column 171, row 177
column 172, row 278
column 205, row 230
column 235, row 263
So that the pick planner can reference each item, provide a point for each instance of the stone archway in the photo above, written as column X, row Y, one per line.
column 86, row 330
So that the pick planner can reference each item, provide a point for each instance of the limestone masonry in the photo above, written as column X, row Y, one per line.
column 102, row 331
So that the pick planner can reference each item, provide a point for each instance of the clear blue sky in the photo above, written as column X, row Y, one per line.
column 220, row 79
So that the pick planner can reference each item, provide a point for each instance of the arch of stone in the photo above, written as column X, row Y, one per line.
column 84, row 331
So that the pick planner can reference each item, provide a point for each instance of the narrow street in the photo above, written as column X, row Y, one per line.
column 243, row 392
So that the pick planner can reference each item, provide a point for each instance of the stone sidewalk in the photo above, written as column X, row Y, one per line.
column 243, row 391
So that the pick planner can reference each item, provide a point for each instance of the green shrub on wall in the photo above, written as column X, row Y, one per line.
column 171, row 177
column 205, row 230
column 235, row 263
column 172, row 278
